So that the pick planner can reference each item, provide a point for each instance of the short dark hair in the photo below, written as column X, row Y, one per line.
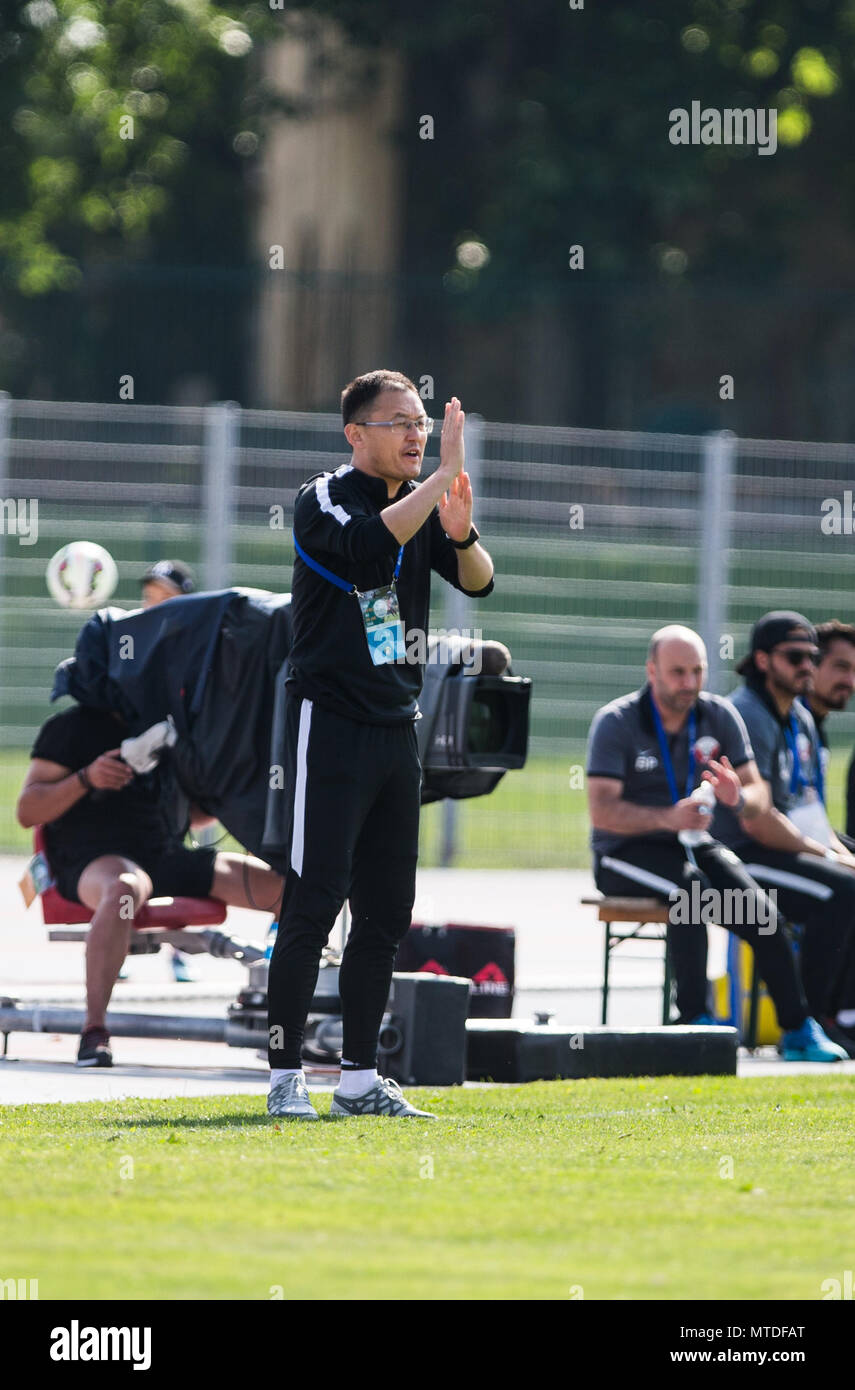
column 833, row 631
column 364, row 389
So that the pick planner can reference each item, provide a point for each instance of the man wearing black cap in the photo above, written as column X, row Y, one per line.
column 792, row 847
column 166, row 579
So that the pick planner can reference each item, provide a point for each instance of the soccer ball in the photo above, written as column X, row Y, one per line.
column 82, row 575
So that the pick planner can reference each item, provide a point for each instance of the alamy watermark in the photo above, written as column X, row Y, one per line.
column 442, row 646
column 724, row 907
column 76, row 1343
column 838, row 1288
column 19, row 1288
column 19, row 516
column 727, row 127
column 838, row 514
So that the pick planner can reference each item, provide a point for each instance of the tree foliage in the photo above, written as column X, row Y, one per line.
column 129, row 130
column 552, row 129
column 126, row 124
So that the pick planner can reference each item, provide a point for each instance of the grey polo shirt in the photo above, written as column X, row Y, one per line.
column 622, row 744
column 773, row 755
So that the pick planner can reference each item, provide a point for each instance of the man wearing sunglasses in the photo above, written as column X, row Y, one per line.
column 792, row 847
column 366, row 539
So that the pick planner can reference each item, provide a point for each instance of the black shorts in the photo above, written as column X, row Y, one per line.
column 177, row 873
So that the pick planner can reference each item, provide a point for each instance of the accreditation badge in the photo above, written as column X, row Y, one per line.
column 36, row 878
column 810, row 818
column 384, row 626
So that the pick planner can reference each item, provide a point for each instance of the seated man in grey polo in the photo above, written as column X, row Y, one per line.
column 648, row 752
column 791, row 847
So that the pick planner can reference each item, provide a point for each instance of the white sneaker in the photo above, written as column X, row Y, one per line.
column 384, row 1098
column 289, row 1099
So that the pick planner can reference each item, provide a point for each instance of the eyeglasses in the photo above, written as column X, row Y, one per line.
column 424, row 424
column 798, row 655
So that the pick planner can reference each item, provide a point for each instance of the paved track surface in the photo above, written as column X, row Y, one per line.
column 559, row 969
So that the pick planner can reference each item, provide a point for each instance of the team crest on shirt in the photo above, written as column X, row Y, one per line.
column 706, row 748
column 804, row 748
column 646, row 761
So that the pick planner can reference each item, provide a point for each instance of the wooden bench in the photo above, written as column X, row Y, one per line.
column 642, row 912
column 651, row 912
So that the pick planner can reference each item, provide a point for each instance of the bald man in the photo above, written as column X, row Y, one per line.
column 647, row 753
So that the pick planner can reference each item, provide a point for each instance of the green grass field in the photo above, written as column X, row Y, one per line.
column 535, row 819
column 619, row 1189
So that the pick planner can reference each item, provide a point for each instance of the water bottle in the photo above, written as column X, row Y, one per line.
column 270, row 939
column 705, row 798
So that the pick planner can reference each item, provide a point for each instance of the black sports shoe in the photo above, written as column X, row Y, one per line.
column 94, row 1049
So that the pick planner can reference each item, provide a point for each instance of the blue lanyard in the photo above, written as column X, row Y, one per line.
column 666, row 752
column 820, row 773
column 796, row 779
column 335, row 578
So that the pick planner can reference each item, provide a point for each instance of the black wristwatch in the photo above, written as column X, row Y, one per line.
column 470, row 540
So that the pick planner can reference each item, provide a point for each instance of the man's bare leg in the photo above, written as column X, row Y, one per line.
column 241, row 880
column 115, row 888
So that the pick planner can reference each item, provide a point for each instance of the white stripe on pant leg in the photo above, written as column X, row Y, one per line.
column 299, row 832
column 784, row 879
column 642, row 876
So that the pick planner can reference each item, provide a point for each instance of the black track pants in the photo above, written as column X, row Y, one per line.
column 632, row 870
column 354, row 834
column 819, row 895
column 844, row 998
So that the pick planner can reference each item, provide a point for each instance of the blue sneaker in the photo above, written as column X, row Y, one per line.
column 810, row 1044
column 704, row 1021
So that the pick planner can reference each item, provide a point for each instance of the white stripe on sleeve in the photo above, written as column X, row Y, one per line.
column 298, row 836
column 322, row 492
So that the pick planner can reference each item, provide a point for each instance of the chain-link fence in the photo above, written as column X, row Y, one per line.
column 598, row 538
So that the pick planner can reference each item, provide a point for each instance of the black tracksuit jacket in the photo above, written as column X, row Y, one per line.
column 337, row 522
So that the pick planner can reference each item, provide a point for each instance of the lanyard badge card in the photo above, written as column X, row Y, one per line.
column 809, row 815
column 381, row 613
column 384, row 626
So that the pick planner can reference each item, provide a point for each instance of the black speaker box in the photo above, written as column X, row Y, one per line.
column 423, row 1037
